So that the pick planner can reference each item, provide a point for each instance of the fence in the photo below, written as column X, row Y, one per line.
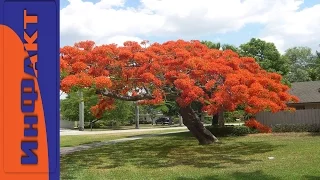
column 305, row 116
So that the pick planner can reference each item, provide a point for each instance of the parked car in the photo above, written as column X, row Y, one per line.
column 163, row 120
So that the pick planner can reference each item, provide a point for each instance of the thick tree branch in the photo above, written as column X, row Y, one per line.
column 125, row 98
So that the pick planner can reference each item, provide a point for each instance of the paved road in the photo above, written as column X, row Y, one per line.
column 69, row 150
column 67, row 132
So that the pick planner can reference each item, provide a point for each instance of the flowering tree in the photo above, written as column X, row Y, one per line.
column 181, row 71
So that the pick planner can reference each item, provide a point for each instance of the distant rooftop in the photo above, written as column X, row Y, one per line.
column 307, row 92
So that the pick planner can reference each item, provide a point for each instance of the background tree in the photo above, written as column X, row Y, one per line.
column 122, row 112
column 231, row 47
column 314, row 72
column 151, row 110
column 69, row 107
column 266, row 54
column 180, row 71
column 212, row 45
column 302, row 64
column 167, row 108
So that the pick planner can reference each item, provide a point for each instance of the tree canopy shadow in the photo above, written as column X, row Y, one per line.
column 165, row 151
column 312, row 177
column 314, row 134
column 255, row 175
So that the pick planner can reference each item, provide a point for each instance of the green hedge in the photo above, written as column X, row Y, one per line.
column 230, row 130
column 296, row 128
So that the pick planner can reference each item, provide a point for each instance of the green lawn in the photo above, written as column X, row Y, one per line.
column 141, row 126
column 177, row 156
column 75, row 140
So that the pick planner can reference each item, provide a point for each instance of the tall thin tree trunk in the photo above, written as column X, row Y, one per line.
column 180, row 120
column 195, row 126
column 81, row 112
column 202, row 117
column 137, row 115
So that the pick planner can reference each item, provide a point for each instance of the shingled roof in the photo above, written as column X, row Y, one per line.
column 307, row 92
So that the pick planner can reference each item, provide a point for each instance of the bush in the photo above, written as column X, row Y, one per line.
column 231, row 117
column 230, row 130
column 296, row 128
column 176, row 120
column 208, row 119
column 96, row 125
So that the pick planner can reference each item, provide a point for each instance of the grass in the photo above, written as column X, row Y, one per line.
column 179, row 157
column 75, row 140
column 141, row 126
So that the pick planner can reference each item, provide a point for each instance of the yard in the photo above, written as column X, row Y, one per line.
column 177, row 156
column 76, row 140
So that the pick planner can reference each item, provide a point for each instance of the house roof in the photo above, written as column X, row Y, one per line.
column 307, row 92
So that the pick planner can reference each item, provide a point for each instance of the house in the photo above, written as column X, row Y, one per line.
column 308, row 94
column 307, row 109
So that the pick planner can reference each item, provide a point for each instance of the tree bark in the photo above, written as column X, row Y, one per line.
column 215, row 119
column 180, row 120
column 202, row 117
column 221, row 119
column 137, row 115
column 195, row 126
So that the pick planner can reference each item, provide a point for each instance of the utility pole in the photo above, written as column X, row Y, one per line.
column 81, row 107
column 137, row 114
column 81, row 112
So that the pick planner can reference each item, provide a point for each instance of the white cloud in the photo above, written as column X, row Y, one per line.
column 295, row 28
column 119, row 40
column 106, row 4
column 278, row 41
column 110, row 21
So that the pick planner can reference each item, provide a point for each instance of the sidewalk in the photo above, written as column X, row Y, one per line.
column 67, row 132
column 69, row 150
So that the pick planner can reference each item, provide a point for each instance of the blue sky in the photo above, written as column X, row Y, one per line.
column 237, row 35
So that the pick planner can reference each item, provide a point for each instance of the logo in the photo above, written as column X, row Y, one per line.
column 29, row 90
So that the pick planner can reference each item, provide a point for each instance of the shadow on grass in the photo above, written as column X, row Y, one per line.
column 88, row 143
column 163, row 151
column 256, row 175
column 314, row 134
column 312, row 177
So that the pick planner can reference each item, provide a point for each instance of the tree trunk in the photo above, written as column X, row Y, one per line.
column 180, row 120
column 221, row 119
column 202, row 117
column 81, row 112
column 153, row 120
column 195, row 126
column 137, row 115
column 170, row 120
column 215, row 119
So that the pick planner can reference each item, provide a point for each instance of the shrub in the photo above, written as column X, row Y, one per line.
column 96, row 125
column 254, row 124
column 230, row 130
column 232, row 116
column 296, row 128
